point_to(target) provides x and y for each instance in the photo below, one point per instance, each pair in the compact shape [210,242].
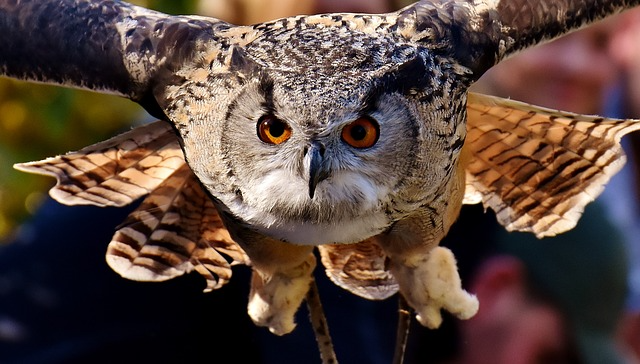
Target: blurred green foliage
[39,121]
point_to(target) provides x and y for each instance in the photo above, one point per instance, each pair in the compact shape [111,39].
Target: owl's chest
[340,222]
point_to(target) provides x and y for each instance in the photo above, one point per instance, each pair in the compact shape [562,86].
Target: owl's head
[315,136]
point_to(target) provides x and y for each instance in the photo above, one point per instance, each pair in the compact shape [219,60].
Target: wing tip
[135,272]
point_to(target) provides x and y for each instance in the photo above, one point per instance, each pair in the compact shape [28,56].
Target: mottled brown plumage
[220,192]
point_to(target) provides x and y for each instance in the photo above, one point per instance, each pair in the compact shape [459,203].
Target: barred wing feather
[359,268]
[537,168]
[115,172]
[174,231]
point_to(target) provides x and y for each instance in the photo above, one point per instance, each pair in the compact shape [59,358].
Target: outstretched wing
[174,231]
[537,168]
[106,46]
[480,33]
[115,172]
[114,47]
[359,268]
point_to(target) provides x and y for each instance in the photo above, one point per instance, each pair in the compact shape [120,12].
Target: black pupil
[276,127]
[358,132]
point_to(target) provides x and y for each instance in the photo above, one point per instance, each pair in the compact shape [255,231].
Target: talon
[430,317]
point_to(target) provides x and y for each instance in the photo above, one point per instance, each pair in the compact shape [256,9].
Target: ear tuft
[241,64]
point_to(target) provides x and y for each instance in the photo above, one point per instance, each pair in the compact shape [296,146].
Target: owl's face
[327,143]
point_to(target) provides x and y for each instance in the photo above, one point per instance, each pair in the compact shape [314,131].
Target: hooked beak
[314,160]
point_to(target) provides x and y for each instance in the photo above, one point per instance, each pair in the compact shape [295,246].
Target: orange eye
[272,130]
[361,133]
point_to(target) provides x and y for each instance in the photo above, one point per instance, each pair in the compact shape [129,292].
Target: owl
[351,133]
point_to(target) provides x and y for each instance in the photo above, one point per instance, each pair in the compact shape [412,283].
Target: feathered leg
[282,274]
[426,273]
